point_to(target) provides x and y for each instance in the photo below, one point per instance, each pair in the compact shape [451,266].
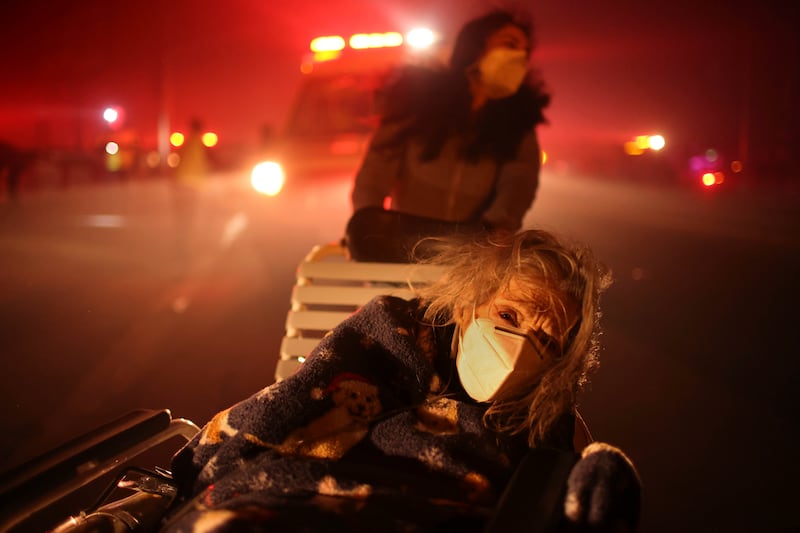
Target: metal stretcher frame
[46,479]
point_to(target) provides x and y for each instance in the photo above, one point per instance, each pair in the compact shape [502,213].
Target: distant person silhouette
[193,167]
[191,175]
[12,164]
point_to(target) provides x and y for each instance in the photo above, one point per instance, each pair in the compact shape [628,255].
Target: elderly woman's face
[550,322]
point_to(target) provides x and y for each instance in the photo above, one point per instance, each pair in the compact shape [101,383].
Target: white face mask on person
[493,360]
[502,71]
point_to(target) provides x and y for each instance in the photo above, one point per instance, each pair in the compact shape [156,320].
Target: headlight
[267,178]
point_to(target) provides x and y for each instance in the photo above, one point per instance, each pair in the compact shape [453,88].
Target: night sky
[693,70]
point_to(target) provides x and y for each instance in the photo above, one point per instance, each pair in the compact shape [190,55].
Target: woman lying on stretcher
[413,415]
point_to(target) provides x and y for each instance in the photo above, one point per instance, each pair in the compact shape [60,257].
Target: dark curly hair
[434,104]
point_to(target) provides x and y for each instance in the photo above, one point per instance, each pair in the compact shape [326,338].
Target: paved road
[109,303]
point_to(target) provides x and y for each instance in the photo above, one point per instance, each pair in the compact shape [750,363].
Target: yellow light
[359,41]
[642,142]
[176,139]
[708,179]
[113,162]
[210,139]
[267,178]
[328,43]
[392,39]
[321,57]
[544,157]
[632,148]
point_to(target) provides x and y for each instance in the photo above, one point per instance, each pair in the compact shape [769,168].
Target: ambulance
[333,114]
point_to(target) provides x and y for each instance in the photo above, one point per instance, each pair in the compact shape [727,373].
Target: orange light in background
[321,57]
[642,143]
[719,178]
[153,159]
[328,43]
[736,167]
[173,160]
[176,139]
[345,146]
[210,139]
[632,148]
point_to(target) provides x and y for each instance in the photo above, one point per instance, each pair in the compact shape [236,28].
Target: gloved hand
[603,491]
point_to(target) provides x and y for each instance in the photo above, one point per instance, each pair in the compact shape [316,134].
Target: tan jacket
[449,188]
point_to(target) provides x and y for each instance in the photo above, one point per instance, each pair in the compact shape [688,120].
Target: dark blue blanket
[371,424]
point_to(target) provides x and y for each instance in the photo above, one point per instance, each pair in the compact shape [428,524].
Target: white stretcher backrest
[329,288]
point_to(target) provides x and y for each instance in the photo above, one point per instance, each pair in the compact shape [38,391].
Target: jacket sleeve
[380,167]
[604,491]
[517,183]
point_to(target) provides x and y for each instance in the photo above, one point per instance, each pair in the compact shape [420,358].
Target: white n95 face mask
[502,71]
[493,360]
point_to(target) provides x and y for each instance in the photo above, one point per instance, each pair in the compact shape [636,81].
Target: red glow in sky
[612,69]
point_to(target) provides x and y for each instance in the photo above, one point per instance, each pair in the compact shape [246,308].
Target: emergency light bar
[360,41]
[417,38]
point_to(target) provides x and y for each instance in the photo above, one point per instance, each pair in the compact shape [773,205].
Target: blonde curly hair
[479,267]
